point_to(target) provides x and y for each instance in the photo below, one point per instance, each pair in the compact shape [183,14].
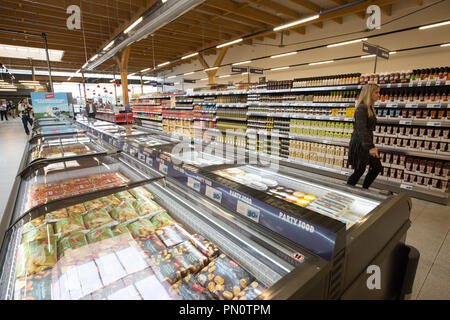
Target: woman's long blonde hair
[365,97]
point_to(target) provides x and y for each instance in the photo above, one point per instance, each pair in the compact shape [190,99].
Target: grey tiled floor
[429,232]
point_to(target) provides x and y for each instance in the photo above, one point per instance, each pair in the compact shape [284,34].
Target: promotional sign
[50,104]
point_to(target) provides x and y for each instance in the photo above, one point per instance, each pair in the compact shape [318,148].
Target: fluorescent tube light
[368,56]
[84,65]
[145,70]
[283,55]
[94,57]
[163,64]
[188,73]
[322,62]
[445,45]
[239,63]
[171,77]
[393,52]
[133,25]
[189,56]
[435,25]
[291,24]
[229,43]
[280,68]
[204,79]
[345,43]
[213,68]
[109,45]
[225,76]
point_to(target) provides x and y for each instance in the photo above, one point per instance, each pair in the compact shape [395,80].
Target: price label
[434,124]
[410,84]
[213,194]
[346,173]
[388,86]
[419,84]
[163,168]
[405,122]
[406,187]
[149,161]
[248,211]
[194,184]
[428,83]
[399,85]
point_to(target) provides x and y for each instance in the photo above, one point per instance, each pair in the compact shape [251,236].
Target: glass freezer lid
[46,130]
[96,123]
[146,141]
[68,178]
[63,148]
[339,205]
[200,159]
[60,139]
[53,123]
[145,250]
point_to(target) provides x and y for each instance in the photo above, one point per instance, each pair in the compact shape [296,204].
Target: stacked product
[118,244]
[317,153]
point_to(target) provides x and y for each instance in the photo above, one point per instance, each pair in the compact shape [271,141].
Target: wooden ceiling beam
[278,8]
[192,17]
[313,8]
[361,14]
[218,14]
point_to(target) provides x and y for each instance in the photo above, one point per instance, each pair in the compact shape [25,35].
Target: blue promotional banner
[50,104]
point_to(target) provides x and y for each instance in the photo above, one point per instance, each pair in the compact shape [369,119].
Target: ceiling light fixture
[189,56]
[280,68]
[188,73]
[94,57]
[393,52]
[145,70]
[435,25]
[163,64]
[283,55]
[109,45]
[213,68]
[239,63]
[133,25]
[291,24]
[445,45]
[225,76]
[322,62]
[368,56]
[229,43]
[345,43]
[171,77]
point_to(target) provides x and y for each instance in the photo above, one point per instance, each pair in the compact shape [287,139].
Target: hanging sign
[372,49]
[256,70]
[188,81]
[238,69]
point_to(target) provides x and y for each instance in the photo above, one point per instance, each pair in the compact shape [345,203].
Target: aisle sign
[188,81]
[238,69]
[372,49]
[256,70]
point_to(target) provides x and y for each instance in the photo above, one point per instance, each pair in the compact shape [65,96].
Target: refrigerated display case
[46,131]
[122,243]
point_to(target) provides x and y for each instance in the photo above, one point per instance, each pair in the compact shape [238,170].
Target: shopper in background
[362,151]
[90,109]
[4,109]
[26,112]
[12,109]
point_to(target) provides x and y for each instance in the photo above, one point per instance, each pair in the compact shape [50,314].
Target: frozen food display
[338,205]
[107,250]
[46,130]
[58,150]
[146,141]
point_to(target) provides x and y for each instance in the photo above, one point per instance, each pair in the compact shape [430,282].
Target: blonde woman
[362,150]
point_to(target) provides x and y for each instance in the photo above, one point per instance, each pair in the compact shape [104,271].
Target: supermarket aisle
[12,144]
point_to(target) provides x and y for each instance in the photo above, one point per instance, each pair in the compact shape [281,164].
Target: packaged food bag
[172,235]
[34,287]
[99,235]
[43,232]
[150,244]
[69,225]
[190,289]
[76,209]
[36,256]
[141,227]
[147,207]
[39,221]
[95,204]
[125,196]
[141,193]
[120,230]
[224,278]
[251,292]
[162,219]
[124,212]
[110,201]
[206,247]
[189,257]
[56,215]
[98,218]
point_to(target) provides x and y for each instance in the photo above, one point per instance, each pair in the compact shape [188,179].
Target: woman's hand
[374,152]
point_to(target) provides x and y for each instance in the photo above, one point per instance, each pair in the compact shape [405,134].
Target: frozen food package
[150,244]
[69,247]
[147,207]
[56,215]
[98,218]
[95,204]
[76,209]
[189,257]
[172,235]
[206,247]
[162,219]
[34,287]
[141,193]
[120,230]
[124,212]
[141,227]
[43,232]
[36,256]
[110,201]
[190,289]
[224,278]
[99,235]
[125,196]
[39,221]
[254,290]
[69,225]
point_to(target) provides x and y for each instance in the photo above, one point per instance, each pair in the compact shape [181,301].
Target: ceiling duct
[170,11]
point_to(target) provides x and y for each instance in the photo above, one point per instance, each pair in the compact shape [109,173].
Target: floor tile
[437,284]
